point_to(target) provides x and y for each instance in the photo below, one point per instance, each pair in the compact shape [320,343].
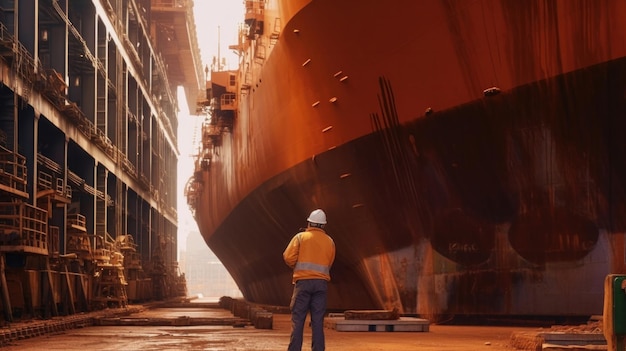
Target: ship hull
[502,201]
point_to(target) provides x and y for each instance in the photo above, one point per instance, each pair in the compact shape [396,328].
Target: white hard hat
[318,216]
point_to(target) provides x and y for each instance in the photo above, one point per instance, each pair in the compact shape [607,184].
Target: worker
[310,254]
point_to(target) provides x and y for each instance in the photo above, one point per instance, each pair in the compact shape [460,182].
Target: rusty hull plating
[469,154]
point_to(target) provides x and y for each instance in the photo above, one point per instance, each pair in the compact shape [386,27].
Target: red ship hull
[469,155]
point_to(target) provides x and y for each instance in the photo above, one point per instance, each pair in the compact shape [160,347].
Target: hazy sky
[210,15]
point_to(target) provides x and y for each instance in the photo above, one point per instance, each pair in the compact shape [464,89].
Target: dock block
[263,320]
[403,324]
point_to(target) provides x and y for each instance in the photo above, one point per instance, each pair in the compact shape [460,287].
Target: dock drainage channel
[178,321]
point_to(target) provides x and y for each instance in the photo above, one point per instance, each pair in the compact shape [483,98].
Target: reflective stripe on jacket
[311,254]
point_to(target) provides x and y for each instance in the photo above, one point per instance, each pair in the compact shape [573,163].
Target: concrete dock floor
[248,338]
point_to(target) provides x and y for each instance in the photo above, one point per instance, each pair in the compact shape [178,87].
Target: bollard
[614,316]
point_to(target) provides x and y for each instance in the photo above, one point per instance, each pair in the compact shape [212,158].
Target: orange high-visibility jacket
[311,254]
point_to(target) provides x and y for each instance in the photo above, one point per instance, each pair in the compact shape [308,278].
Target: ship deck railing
[23,228]
[100,194]
[13,172]
[127,165]
[63,190]
[126,242]
[45,181]
[77,221]
[7,41]
[49,164]
[75,179]
[102,255]
[23,62]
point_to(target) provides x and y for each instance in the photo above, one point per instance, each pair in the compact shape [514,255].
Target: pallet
[403,324]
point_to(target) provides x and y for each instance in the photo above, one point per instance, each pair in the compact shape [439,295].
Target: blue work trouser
[308,295]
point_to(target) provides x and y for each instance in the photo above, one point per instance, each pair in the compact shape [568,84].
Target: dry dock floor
[248,338]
